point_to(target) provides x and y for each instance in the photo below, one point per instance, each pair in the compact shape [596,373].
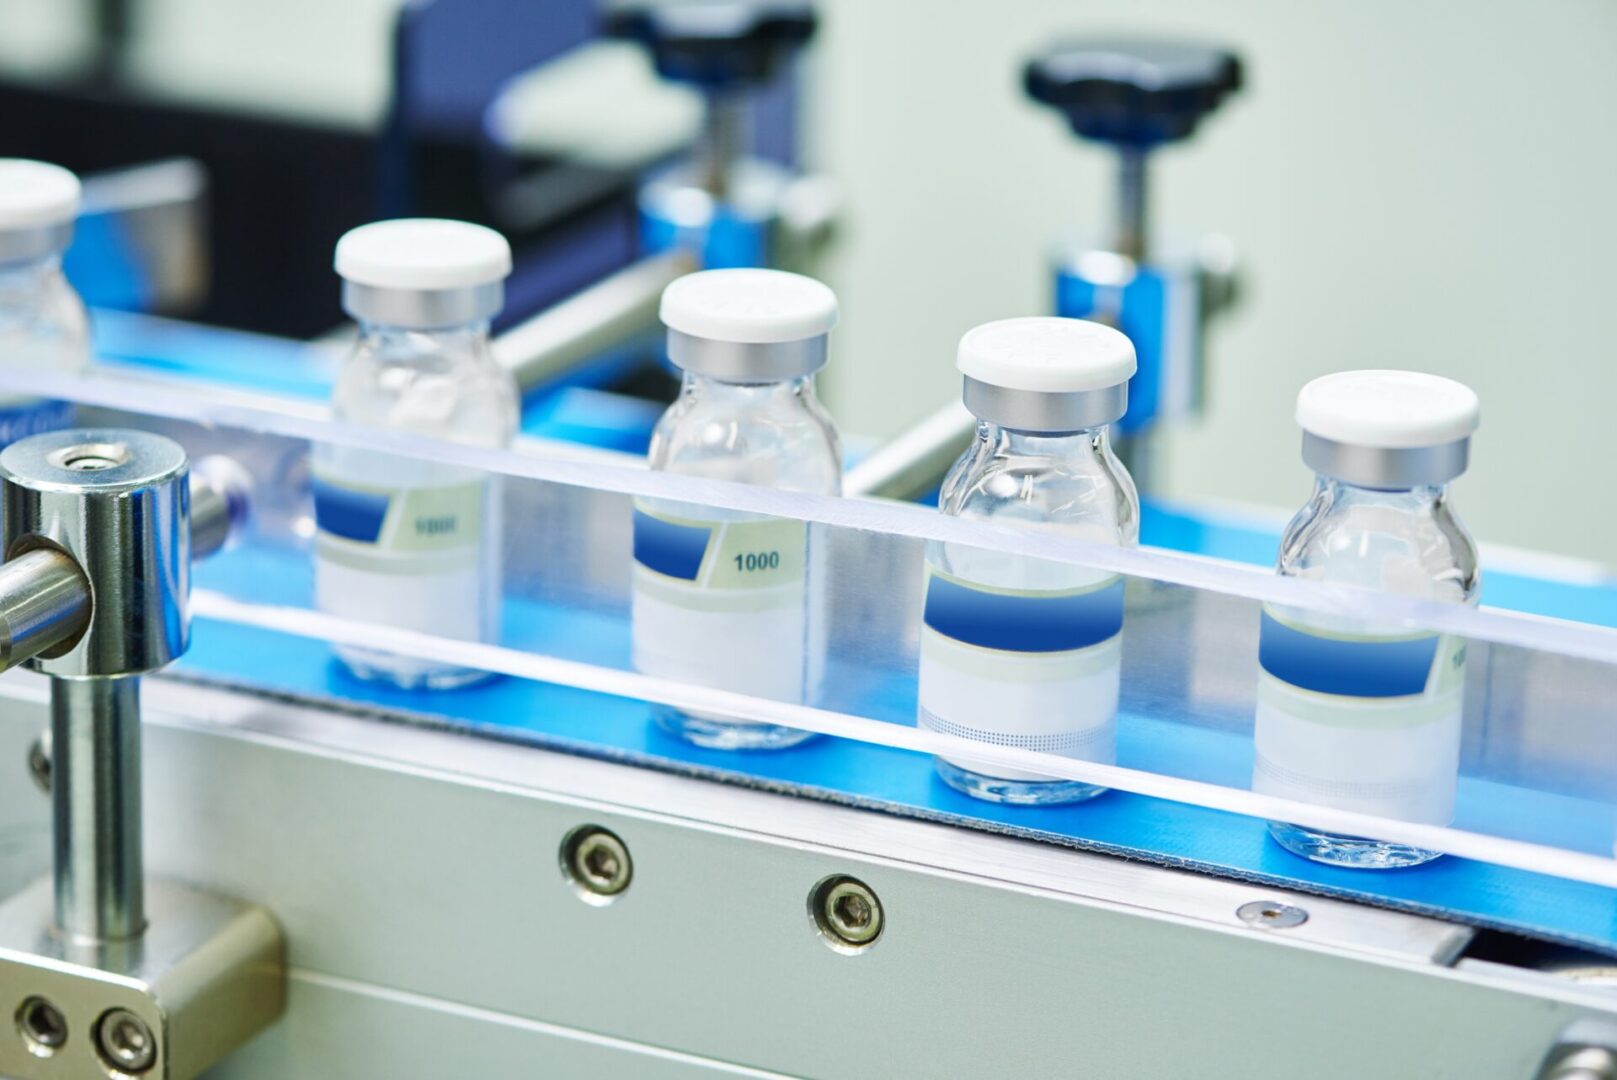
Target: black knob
[717,46]
[1138,92]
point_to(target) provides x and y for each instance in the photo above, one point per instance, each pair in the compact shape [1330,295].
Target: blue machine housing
[724,237]
[1159,308]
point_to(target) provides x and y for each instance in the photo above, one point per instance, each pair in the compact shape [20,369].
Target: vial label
[407,544]
[722,600]
[21,417]
[1032,668]
[1358,719]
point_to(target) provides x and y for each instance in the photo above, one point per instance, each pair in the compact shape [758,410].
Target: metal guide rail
[1533,826]
[295,376]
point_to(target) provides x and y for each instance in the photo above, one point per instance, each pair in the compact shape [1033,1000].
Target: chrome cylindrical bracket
[97,535]
[116,503]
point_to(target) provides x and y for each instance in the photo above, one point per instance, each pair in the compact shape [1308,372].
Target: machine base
[208,975]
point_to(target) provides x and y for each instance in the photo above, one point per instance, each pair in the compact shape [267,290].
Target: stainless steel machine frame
[440,923]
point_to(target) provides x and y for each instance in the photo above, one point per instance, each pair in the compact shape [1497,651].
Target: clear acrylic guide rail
[1537,772]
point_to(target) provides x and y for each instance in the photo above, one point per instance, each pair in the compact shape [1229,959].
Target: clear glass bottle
[724,599]
[1026,652]
[1351,714]
[42,320]
[408,542]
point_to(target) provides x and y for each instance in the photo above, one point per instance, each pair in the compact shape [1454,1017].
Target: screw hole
[853,912]
[42,1026]
[39,761]
[90,457]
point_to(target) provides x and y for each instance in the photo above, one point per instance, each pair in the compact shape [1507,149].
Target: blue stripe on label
[666,548]
[1023,623]
[350,514]
[1372,669]
[20,420]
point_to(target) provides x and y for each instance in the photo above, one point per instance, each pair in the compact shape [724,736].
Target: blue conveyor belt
[902,782]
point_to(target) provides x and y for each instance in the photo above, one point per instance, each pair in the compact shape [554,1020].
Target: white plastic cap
[34,195]
[1046,354]
[423,254]
[1388,410]
[749,307]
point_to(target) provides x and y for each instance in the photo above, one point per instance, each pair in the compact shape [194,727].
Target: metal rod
[221,503]
[210,517]
[44,602]
[95,793]
[609,313]
[1133,194]
[720,144]
[1136,451]
[916,461]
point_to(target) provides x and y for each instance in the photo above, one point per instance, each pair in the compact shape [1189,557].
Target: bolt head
[597,862]
[1271,914]
[847,913]
[124,1042]
[1585,1063]
[42,1026]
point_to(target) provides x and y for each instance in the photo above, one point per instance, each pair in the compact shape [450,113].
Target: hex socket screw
[42,1026]
[597,863]
[847,913]
[124,1042]
[1271,915]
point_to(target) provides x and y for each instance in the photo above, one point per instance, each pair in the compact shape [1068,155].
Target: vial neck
[30,276]
[1426,496]
[756,393]
[400,343]
[1054,445]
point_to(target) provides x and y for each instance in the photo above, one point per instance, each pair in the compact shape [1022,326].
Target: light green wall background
[1430,185]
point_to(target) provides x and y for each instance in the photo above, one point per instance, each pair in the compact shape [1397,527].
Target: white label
[724,601]
[1035,669]
[407,544]
[1361,721]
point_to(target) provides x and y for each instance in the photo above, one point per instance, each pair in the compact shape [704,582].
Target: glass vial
[724,599]
[1017,651]
[42,322]
[1351,714]
[408,542]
